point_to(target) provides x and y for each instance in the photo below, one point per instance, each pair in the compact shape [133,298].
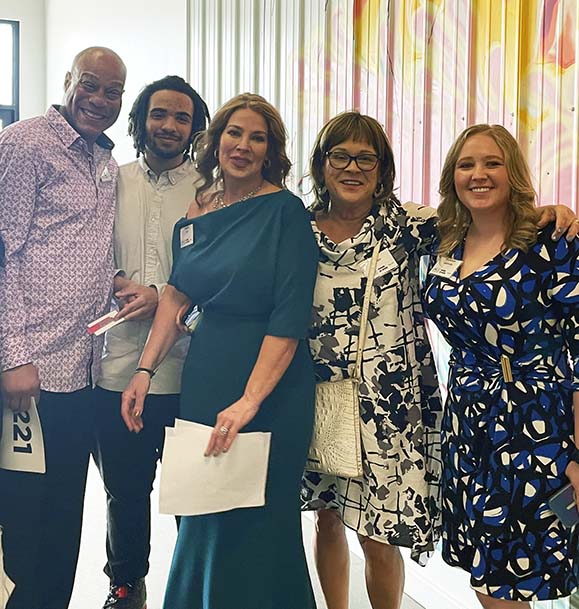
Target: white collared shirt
[147,209]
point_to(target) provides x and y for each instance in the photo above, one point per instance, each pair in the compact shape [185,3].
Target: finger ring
[223,430]
[136,413]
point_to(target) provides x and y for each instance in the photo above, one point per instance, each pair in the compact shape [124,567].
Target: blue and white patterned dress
[506,444]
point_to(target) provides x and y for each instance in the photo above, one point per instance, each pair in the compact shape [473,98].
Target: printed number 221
[22,434]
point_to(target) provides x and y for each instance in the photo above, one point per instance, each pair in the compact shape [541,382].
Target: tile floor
[91,584]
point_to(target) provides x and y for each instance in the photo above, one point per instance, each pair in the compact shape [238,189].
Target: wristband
[150,372]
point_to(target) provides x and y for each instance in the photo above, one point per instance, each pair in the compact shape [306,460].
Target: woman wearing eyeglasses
[396,502]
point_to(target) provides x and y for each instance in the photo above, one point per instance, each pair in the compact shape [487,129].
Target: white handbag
[336,446]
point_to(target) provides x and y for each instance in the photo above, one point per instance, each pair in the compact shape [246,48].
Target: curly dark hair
[138,113]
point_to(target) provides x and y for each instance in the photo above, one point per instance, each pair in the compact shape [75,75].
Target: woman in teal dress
[246,256]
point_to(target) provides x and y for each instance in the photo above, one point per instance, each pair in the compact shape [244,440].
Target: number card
[22,444]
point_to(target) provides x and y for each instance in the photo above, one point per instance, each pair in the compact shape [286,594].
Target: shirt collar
[68,134]
[171,175]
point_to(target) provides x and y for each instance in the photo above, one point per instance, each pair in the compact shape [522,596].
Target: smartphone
[191,319]
[564,505]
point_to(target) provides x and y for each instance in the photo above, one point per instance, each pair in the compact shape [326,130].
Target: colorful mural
[425,68]
[430,68]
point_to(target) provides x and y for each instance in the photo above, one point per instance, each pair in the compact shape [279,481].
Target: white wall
[31,15]
[149,35]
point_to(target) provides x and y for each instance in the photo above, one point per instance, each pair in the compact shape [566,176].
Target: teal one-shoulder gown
[251,267]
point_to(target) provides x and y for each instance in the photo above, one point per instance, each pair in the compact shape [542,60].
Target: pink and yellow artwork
[428,69]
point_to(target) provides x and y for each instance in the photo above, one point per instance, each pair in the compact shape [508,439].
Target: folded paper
[193,484]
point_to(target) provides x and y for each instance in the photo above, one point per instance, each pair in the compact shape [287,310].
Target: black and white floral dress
[397,500]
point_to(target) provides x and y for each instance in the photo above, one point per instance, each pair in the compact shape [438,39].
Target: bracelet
[150,372]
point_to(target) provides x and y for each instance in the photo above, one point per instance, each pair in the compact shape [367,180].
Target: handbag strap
[365,309]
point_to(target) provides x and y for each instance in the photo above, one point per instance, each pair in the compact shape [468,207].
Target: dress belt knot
[508,367]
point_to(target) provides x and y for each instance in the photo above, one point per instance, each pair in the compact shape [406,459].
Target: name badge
[106,175]
[445,267]
[385,264]
[186,235]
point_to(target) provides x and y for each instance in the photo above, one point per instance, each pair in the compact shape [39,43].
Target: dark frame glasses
[341,160]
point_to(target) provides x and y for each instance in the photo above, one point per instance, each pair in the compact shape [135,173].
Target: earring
[266,164]
[216,153]
[323,189]
[379,190]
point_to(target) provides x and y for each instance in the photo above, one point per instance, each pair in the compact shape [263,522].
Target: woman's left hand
[229,422]
[572,472]
[565,220]
[180,315]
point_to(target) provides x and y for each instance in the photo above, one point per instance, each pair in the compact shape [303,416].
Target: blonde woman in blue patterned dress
[396,502]
[506,297]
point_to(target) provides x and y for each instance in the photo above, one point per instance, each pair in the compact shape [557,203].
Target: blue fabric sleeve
[295,277]
[565,290]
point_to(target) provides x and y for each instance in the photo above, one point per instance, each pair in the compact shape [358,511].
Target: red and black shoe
[127,596]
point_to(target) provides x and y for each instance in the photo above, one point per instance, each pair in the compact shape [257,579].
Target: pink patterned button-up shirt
[57,201]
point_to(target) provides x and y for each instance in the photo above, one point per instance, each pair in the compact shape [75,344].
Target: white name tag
[386,264]
[445,267]
[22,445]
[106,175]
[186,235]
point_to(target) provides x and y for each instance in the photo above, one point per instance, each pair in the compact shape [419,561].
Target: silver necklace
[219,203]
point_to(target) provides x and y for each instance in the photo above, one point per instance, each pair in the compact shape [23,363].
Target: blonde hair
[206,145]
[360,128]
[454,217]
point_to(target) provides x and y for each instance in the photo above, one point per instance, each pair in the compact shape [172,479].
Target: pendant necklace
[219,203]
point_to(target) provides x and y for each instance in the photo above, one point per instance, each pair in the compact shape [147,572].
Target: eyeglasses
[365,161]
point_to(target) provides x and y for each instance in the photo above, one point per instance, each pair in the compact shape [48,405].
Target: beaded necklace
[219,203]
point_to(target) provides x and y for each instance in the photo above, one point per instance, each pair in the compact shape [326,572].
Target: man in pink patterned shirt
[57,199]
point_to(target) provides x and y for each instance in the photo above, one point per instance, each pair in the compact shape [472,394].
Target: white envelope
[6,584]
[193,484]
[22,444]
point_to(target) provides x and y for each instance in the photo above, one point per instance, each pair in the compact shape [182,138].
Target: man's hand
[120,282]
[139,301]
[18,385]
